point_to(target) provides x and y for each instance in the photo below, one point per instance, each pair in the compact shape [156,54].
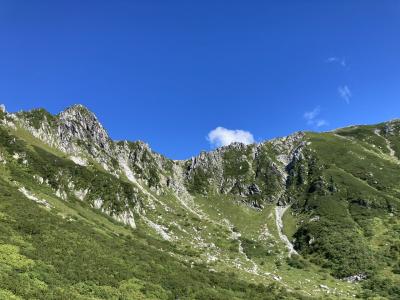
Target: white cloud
[334,59]
[331,59]
[345,93]
[221,136]
[320,123]
[311,115]
[311,118]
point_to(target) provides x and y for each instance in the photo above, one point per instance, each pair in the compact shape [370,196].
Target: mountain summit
[309,215]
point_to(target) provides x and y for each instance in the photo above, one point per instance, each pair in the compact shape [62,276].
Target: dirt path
[388,145]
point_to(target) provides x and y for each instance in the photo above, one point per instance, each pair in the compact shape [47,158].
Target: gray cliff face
[392,128]
[258,172]
[77,125]
[222,206]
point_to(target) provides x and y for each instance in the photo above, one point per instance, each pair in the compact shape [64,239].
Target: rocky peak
[392,127]
[78,123]
[257,170]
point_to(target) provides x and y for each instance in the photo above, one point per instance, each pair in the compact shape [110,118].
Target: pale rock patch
[98,203]
[39,179]
[61,194]
[79,160]
[355,278]
[2,159]
[161,230]
[32,197]
[81,194]
[126,218]
[279,212]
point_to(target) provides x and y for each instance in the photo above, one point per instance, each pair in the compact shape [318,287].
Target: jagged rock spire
[78,122]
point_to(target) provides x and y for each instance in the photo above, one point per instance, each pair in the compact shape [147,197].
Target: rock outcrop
[258,171]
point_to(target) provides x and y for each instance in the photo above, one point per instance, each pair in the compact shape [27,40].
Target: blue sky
[169,72]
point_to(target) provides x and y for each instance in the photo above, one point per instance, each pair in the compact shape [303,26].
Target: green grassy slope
[344,220]
[45,256]
[72,251]
[353,206]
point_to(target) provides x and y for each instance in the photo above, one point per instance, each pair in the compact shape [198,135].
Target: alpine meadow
[306,216]
[199,150]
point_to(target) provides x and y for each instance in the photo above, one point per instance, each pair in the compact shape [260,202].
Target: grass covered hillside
[308,216]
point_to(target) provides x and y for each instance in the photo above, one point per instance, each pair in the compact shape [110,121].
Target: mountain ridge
[81,107]
[311,205]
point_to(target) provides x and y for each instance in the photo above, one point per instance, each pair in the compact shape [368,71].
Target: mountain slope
[308,215]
